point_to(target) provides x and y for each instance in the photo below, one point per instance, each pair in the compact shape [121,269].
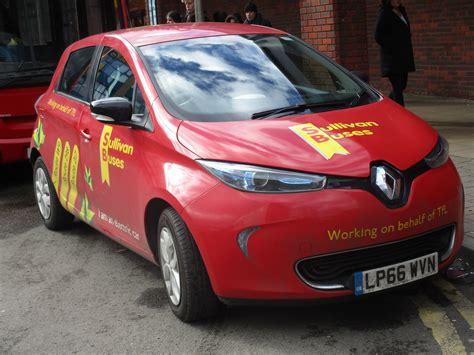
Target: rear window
[73,81]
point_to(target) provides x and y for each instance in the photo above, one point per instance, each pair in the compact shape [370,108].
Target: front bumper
[293,227]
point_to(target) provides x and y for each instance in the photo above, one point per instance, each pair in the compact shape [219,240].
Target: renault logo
[388,181]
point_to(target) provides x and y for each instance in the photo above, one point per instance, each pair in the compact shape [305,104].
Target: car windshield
[231,78]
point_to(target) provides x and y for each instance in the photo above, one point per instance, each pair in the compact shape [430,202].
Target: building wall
[443,44]
[351,30]
[443,41]
[443,36]
[283,14]
[318,26]
[137,12]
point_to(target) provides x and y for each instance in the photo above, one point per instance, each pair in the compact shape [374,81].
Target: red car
[247,165]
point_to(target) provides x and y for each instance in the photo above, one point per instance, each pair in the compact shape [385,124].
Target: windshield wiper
[296,108]
[359,96]
[23,74]
[21,68]
[10,79]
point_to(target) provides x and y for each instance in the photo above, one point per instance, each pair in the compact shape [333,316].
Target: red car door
[56,134]
[112,155]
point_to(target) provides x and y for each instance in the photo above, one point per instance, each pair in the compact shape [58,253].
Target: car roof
[141,36]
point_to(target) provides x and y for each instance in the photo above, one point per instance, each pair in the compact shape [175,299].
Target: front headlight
[258,179]
[439,155]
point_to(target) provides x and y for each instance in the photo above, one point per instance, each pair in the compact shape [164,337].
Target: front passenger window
[115,79]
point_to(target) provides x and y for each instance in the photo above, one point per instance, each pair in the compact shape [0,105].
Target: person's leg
[399,83]
[404,82]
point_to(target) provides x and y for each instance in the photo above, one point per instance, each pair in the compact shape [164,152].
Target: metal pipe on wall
[198,11]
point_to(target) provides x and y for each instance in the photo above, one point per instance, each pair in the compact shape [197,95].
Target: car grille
[335,271]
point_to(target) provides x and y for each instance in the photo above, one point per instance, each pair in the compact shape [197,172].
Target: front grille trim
[338,286]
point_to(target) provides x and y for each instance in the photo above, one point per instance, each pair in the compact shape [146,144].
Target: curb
[467,255]
[468,243]
[450,124]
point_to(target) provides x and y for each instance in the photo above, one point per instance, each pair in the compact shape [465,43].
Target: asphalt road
[79,292]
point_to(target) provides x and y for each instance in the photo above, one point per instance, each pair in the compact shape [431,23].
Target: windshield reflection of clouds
[222,76]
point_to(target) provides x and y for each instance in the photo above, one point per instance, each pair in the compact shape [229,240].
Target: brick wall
[318,26]
[443,43]
[351,31]
[443,36]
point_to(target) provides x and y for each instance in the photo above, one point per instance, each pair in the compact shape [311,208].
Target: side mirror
[361,75]
[112,110]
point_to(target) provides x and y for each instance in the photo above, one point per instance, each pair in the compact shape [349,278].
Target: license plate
[395,275]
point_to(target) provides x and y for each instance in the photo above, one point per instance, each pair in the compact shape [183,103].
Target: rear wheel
[187,283]
[55,217]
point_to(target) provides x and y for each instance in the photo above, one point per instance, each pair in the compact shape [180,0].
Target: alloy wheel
[169,265]
[43,196]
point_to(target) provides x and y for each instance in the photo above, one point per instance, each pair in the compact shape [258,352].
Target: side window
[139,107]
[73,80]
[114,77]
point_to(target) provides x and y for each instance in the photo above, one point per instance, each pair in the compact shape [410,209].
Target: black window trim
[88,79]
[95,69]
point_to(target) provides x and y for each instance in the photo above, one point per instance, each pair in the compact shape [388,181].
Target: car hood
[342,142]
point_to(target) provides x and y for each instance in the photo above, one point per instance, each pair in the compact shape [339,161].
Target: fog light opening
[243,239]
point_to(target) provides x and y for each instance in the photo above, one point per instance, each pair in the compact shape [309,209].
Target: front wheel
[187,283]
[55,217]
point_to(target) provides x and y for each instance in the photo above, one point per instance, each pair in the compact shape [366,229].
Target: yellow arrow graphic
[319,140]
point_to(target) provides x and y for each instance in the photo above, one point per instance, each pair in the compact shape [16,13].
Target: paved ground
[454,119]
[79,292]
[442,111]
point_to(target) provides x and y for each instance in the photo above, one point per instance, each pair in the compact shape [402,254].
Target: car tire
[189,290]
[54,216]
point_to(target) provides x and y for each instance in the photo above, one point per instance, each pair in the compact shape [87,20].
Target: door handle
[85,134]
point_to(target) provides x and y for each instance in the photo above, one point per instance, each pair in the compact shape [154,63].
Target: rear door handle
[86,135]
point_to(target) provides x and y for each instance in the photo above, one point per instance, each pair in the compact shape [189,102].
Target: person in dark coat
[393,34]
[253,17]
